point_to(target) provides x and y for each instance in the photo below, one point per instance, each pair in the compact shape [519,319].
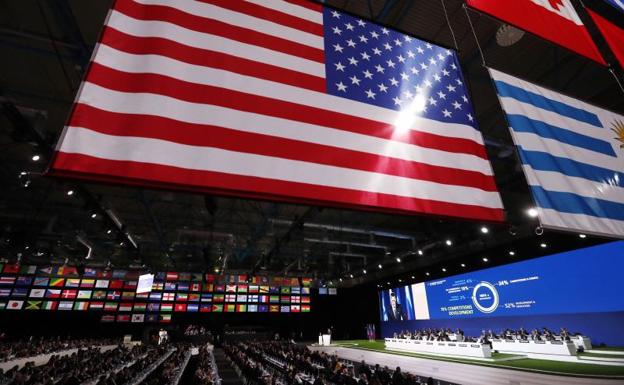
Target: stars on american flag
[372,64]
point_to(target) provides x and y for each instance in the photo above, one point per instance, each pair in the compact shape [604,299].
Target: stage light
[582,236]
[532,212]
[94,215]
[512,253]
[543,245]
[121,243]
[35,157]
[444,269]
[340,279]
[388,283]
[379,266]
[420,252]
[485,230]
[216,269]
[364,271]
[70,192]
[427,274]
[449,242]
[485,259]
[109,231]
[23,173]
[413,277]
[398,259]
[387,253]
[26,247]
[400,280]
[463,265]
[350,275]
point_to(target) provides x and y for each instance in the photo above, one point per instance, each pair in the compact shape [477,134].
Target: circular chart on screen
[485,297]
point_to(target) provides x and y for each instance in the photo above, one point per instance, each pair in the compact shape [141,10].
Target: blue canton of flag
[372,64]
[619,4]
[572,156]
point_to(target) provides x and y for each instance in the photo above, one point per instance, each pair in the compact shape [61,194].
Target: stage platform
[499,370]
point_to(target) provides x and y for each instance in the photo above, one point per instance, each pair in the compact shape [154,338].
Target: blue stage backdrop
[580,290]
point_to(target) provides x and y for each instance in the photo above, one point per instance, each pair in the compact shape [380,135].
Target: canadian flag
[554,20]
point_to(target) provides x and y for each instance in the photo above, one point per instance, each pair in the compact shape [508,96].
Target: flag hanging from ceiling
[613,34]
[619,4]
[278,99]
[554,20]
[572,155]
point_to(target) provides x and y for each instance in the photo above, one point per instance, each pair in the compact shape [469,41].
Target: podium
[326,339]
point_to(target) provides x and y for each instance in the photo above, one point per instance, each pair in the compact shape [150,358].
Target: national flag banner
[28,269]
[181,296]
[81,305]
[193,297]
[252,308]
[219,288]
[197,277]
[87,283]
[151,318]
[274,299]
[241,308]
[305,308]
[139,306]
[184,276]
[295,308]
[105,273]
[158,286]
[84,294]
[72,282]
[305,299]
[285,309]
[47,270]
[254,289]
[99,294]
[116,284]
[5,292]
[168,297]
[179,307]
[619,4]
[208,287]
[192,308]
[553,20]
[195,286]
[3,305]
[6,280]
[183,286]
[34,293]
[263,298]
[205,308]
[241,298]
[230,298]
[125,306]
[130,285]
[274,308]
[305,290]
[263,308]
[170,286]
[218,297]
[171,276]
[264,289]
[242,288]
[119,274]
[50,305]
[206,298]
[153,307]
[90,272]
[164,318]
[230,288]
[306,281]
[33,305]
[23,281]
[66,305]
[166,307]
[241,278]
[11,268]
[160,276]
[274,289]
[287,102]
[53,293]
[107,318]
[126,295]
[229,308]
[110,306]
[69,294]
[138,318]
[613,34]
[210,278]
[96,305]
[57,282]
[142,296]
[285,290]
[41,281]
[252,298]
[102,284]
[123,317]
[113,295]
[217,308]
[295,290]
[572,155]
[66,271]
[20,292]
[285,299]
[295,299]
[155,296]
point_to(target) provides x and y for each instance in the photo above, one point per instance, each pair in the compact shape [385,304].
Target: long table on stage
[565,348]
[470,349]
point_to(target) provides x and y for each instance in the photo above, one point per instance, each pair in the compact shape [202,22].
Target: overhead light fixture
[444,269]
[400,280]
[463,265]
[543,245]
[23,173]
[485,230]
[216,269]
[532,212]
[427,274]
[582,236]
[94,215]
[350,275]
[512,253]
[109,231]
[35,158]
[121,243]
[364,271]
[398,259]
[413,277]
[485,259]
[449,242]
[420,252]
[340,279]
[379,266]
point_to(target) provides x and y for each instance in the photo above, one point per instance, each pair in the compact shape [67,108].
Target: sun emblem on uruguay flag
[618,128]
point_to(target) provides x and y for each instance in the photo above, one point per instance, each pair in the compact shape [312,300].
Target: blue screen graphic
[581,281]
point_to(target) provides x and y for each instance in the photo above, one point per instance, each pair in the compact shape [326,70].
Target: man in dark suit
[395,313]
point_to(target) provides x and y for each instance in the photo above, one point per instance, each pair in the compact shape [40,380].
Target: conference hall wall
[580,290]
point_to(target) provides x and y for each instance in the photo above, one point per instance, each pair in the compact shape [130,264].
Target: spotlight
[420,252]
[543,245]
[379,266]
[398,260]
[364,271]
[70,192]
[427,274]
[340,279]
[485,230]
[23,173]
[350,275]
[512,253]
[449,242]
[485,259]
[444,269]
[36,157]
[532,212]
[400,280]
[582,236]
[216,269]
[413,277]
[109,231]
[121,243]
[463,265]
[94,215]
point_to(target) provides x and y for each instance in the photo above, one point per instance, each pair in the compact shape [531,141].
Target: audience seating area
[11,349]
[281,363]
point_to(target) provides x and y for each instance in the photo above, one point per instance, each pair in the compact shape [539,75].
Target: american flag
[280,99]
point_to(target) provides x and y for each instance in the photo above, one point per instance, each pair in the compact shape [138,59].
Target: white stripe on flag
[291,9]
[586,223]
[84,141]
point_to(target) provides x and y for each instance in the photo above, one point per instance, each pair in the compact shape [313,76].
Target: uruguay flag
[572,155]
